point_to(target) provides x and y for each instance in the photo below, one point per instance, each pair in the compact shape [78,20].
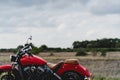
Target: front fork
[18,72]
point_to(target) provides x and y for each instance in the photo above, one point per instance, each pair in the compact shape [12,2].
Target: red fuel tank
[32,60]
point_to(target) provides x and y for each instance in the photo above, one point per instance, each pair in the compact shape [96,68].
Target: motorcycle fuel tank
[32,60]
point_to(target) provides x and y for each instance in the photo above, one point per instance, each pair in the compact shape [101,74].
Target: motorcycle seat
[54,67]
[71,61]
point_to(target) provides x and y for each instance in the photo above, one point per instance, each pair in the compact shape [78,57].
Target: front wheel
[72,76]
[7,76]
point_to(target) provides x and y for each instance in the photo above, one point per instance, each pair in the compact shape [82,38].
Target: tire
[7,76]
[72,76]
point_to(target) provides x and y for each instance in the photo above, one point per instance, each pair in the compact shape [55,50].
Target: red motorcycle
[26,66]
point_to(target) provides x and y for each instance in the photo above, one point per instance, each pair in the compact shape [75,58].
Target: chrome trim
[87,78]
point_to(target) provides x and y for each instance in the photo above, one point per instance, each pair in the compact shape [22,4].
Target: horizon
[59,46]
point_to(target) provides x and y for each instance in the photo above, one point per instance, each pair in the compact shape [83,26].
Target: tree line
[87,45]
[99,43]
[36,50]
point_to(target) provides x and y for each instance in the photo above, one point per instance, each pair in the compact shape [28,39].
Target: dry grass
[108,66]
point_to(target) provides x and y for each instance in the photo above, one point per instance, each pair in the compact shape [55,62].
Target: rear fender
[74,67]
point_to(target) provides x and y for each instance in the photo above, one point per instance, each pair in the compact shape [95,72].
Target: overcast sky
[57,23]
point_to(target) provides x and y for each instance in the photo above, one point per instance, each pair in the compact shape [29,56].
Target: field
[102,68]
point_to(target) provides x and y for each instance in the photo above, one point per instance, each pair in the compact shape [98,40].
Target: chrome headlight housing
[12,58]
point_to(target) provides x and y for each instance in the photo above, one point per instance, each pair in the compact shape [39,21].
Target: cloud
[22,3]
[57,23]
[104,7]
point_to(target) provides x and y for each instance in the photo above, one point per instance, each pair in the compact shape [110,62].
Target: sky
[57,23]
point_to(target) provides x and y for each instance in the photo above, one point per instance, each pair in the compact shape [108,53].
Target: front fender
[6,67]
[74,67]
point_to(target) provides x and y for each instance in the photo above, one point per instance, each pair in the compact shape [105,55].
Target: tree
[90,45]
[103,53]
[76,44]
[43,48]
[99,43]
[35,50]
[81,53]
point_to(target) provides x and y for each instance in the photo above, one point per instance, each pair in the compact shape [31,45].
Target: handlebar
[24,50]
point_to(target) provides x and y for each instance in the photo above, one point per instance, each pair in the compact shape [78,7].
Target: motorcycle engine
[38,73]
[33,72]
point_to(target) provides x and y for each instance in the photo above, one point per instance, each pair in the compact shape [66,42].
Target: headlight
[12,58]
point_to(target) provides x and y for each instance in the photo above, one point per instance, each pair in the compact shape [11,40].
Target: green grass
[103,78]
